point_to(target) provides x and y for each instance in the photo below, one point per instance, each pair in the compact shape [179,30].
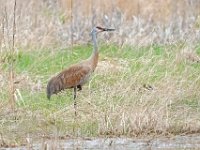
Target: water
[178,142]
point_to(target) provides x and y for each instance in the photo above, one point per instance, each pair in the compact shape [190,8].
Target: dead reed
[46,23]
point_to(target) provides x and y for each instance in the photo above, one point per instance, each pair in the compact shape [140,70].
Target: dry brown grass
[46,23]
[161,10]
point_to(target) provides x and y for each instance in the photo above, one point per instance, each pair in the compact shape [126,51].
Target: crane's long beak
[107,29]
[104,29]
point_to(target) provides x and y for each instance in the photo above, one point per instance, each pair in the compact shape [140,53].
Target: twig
[14,27]
[7,28]
[138,25]
[72,27]
[12,88]
[93,13]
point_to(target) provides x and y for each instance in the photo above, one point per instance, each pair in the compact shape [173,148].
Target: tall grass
[134,92]
[46,23]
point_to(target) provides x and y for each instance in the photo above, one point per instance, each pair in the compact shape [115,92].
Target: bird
[78,74]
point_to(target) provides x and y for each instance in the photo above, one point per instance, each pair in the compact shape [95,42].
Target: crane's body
[73,77]
[78,74]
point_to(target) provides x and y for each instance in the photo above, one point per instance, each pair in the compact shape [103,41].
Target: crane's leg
[75,100]
[79,87]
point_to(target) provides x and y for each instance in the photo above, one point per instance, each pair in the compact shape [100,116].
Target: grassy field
[135,91]
[146,83]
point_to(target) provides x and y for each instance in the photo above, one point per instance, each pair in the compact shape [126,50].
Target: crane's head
[98,29]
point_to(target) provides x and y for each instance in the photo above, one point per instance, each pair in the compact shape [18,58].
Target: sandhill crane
[78,74]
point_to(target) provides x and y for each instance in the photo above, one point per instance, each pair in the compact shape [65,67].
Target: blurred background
[44,23]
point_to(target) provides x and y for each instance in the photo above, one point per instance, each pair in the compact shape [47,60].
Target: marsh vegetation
[146,83]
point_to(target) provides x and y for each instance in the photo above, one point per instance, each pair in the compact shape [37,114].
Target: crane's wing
[75,75]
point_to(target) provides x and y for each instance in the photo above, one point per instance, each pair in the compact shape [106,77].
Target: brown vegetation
[47,23]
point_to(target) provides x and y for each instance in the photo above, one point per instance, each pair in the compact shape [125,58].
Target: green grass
[115,102]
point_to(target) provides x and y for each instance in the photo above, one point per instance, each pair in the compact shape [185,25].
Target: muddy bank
[177,142]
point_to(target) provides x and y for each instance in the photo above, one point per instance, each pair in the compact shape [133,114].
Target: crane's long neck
[94,40]
[95,54]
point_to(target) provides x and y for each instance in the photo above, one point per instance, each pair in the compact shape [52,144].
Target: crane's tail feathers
[54,86]
[48,92]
